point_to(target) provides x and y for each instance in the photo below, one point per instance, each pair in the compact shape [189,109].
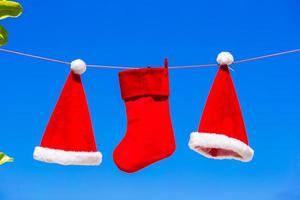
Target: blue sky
[142,33]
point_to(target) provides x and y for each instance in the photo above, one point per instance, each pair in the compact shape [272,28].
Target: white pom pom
[78,66]
[225,58]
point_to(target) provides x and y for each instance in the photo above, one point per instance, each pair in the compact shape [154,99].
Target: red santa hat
[222,133]
[69,137]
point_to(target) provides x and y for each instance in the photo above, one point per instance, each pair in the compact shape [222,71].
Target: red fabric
[149,137]
[142,82]
[222,113]
[70,126]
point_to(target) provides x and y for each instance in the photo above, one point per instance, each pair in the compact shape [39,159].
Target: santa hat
[222,133]
[69,137]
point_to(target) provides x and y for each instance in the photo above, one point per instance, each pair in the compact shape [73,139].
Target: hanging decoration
[69,137]
[149,136]
[222,133]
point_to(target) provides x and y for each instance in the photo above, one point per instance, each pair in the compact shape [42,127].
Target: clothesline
[171,67]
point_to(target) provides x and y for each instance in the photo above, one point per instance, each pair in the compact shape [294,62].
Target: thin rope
[110,67]
[34,56]
[171,67]
[193,66]
[239,61]
[59,61]
[267,56]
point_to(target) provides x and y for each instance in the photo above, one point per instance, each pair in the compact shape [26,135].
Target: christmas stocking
[149,137]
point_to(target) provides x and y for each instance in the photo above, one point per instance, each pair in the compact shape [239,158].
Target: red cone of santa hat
[222,133]
[69,137]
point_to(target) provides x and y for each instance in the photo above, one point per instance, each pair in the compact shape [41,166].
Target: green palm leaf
[4,158]
[3,36]
[10,9]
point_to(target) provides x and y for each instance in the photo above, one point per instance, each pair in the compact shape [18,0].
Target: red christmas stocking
[149,137]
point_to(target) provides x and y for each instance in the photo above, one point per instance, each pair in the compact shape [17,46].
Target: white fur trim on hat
[203,142]
[225,58]
[78,66]
[67,157]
